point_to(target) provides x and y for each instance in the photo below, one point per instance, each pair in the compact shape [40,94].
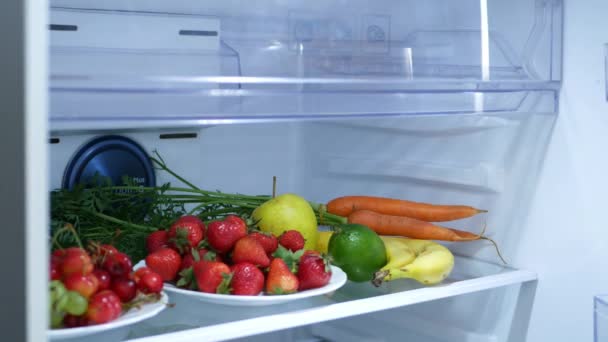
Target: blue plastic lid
[110,156]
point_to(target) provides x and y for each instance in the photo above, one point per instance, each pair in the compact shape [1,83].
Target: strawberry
[85,285]
[212,276]
[280,280]
[157,240]
[75,260]
[292,240]
[247,279]
[186,233]
[267,240]
[248,249]
[118,264]
[203,254]
[165,262]
[103,307]
[222,235]
[313,271]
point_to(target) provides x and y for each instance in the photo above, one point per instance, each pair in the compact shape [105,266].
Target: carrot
[343,206]
[409,227]
[413,228]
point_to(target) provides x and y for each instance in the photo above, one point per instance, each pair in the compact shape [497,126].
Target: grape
[56,319]
[61,302]
[57,290]
[76,304]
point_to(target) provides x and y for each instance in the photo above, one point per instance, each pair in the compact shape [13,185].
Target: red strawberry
[267,240]
[203,254]
[157,240]
[103,278]
[186,233]
[313,271]
[118,264]
[165,262]
[75,260]
[292,240]
[103,307]
[248,249]
[125,289]
[247,279]
[280,280]
[86,285]
[222,235]
[150,282]
[212,276]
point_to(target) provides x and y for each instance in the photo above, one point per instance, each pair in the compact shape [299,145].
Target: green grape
[56,319]
[61,302]
[77,304]
[57,290]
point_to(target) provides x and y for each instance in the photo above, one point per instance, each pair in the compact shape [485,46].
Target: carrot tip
[481,211]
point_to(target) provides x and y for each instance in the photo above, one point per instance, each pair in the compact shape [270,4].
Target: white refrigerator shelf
[196,321]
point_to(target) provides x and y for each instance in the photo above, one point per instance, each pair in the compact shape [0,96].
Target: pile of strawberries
[228,258]
[95,287]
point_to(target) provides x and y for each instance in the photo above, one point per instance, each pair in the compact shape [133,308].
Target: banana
[431,265]
[425,261]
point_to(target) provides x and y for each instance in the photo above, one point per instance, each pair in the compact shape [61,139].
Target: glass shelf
[216,62]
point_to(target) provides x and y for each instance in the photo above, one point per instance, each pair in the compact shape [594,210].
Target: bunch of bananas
[427,262]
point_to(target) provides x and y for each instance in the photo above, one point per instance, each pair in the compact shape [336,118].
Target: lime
[358,251]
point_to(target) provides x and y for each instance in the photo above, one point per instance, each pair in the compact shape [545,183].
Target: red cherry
[124,288]
[140,273]
[76,260]
[103,307]
[150,282]
[118,264]
[86,285]
[104,279]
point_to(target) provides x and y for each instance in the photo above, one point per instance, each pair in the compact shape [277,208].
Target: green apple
[287,212]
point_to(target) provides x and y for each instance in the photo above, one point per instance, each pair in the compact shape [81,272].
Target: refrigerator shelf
[167,65]
[196,321]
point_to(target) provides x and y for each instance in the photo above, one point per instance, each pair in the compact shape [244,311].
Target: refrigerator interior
[436,101]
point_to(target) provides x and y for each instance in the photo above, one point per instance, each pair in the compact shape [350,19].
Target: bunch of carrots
[387,216]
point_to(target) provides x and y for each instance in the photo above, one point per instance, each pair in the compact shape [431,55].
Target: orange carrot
[408,227]
[343,206]
[412,228]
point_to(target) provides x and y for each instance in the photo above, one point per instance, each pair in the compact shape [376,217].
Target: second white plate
[338,278]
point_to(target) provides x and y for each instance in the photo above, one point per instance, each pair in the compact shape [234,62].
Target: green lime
[358,251]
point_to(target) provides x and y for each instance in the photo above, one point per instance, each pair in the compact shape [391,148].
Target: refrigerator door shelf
[191,321]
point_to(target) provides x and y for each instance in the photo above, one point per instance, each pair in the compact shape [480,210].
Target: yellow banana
[431,265]
[398,253]
[424,261]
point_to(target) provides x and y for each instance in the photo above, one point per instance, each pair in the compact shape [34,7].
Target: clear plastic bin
[218,61]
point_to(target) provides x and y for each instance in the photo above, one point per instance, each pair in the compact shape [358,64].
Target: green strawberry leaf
[292,259]
[224,286]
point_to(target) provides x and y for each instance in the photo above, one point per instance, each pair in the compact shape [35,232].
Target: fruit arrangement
[96,286]
[376,239]
[227,257]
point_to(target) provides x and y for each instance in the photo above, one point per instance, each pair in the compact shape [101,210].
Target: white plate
[338,278]
[132,316]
